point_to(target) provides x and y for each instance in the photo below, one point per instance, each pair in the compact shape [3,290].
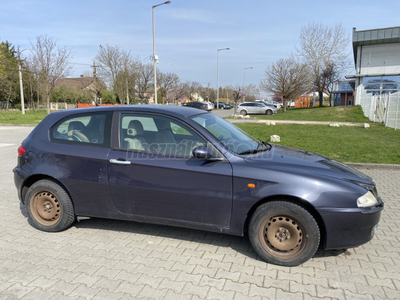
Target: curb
[391,167]
[19,125]
[258,121]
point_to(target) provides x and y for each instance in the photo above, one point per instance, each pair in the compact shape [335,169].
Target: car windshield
[233,138]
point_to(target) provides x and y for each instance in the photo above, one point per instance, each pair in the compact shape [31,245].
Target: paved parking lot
[106,259]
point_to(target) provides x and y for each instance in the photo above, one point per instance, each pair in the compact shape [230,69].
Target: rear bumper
[348,228]
[18,181]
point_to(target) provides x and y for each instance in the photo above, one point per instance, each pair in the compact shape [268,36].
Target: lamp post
[21,87]
[155,58]
[244,83]
[218,74]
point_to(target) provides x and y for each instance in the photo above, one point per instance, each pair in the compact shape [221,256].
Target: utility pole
[21,87]
[127,91]
[94,82]
[155,57]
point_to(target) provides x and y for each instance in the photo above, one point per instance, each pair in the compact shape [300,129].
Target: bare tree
[118,69]
[144,81]
[287,78]
[51,62]
[166,82]
[323,47]
[237,93]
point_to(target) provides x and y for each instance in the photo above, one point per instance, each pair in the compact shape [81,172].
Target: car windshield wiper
[252,151]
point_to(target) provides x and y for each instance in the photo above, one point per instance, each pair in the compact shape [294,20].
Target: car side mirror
[202,152]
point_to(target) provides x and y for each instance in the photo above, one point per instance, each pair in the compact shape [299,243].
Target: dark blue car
[183,167]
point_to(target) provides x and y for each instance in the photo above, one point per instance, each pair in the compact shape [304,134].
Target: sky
[188,32]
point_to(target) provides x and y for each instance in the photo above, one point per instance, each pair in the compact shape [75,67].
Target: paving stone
[217,294]
[268,293]
[151,293]
[212,282]
[303,288]
[197,290]
[110,259]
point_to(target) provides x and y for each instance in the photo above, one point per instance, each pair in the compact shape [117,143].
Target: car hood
[299,161]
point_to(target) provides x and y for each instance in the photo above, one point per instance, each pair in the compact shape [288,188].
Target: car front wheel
[49,206]
[268,112]
[284,233]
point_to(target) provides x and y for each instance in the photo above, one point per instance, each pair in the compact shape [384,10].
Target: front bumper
[348,227]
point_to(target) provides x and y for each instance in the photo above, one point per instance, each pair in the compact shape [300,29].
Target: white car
[210,106]
[247,108]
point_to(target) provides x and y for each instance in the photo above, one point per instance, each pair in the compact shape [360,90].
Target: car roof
[178,111]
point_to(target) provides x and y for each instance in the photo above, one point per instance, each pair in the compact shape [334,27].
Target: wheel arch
[35,178]
[296,200]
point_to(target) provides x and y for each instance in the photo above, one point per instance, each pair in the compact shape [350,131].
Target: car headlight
[367,200]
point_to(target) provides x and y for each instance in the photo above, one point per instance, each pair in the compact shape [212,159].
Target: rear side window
[83,129]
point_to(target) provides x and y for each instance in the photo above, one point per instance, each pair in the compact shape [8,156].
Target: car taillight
[21,150]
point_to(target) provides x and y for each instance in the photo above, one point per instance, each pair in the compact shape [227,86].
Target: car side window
[157,135]
[83,129]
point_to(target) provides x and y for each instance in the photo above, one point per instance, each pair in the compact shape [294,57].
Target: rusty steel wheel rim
[282,236]
[45,208]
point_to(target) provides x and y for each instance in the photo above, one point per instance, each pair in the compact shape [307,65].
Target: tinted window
[84,129]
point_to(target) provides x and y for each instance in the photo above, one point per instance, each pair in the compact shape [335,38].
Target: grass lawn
[377,144]
[16,117]
[328,114]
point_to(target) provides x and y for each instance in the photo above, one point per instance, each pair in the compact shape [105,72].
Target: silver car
[258,108]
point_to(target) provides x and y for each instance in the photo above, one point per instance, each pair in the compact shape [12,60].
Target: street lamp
[155,58]
[244,83]
[21,87]
[218,74]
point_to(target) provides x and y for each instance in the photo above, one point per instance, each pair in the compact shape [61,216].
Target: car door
[161,180]
[260,108]
[78,156]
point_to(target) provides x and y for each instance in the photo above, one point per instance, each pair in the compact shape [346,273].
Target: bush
[17,106]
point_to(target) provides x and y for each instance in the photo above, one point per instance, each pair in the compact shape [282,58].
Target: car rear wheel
[49,206]
[243,112]
[268,112]
[284,233]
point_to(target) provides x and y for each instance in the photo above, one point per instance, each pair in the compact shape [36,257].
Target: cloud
[196,15]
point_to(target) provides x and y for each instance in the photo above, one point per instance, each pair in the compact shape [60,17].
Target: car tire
[284,233]
[243,112]
[268,112]
[49,206]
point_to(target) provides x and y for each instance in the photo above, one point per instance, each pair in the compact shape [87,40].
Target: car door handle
[120,162]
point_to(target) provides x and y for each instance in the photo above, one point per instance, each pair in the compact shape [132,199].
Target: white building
[377,63]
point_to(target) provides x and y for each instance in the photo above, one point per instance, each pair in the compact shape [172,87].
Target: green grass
[377,144]
[16,117]
[328,114]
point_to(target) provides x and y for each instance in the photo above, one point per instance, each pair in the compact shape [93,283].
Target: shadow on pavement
[239,244]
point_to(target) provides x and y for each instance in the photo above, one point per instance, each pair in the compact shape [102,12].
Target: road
[107,259]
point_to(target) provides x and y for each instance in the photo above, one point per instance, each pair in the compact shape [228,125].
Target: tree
[8,72]
[118,69]
[287,78]
[166,82]
[51,62]
[324,48]
[238,93]
[144,81]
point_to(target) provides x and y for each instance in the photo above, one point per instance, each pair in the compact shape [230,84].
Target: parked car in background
[199,105]
[252,108]
[210,105]
[223,105]
[228,106]
[267,103]
[272,104]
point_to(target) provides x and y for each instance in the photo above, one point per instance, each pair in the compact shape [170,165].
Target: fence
[380,106]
